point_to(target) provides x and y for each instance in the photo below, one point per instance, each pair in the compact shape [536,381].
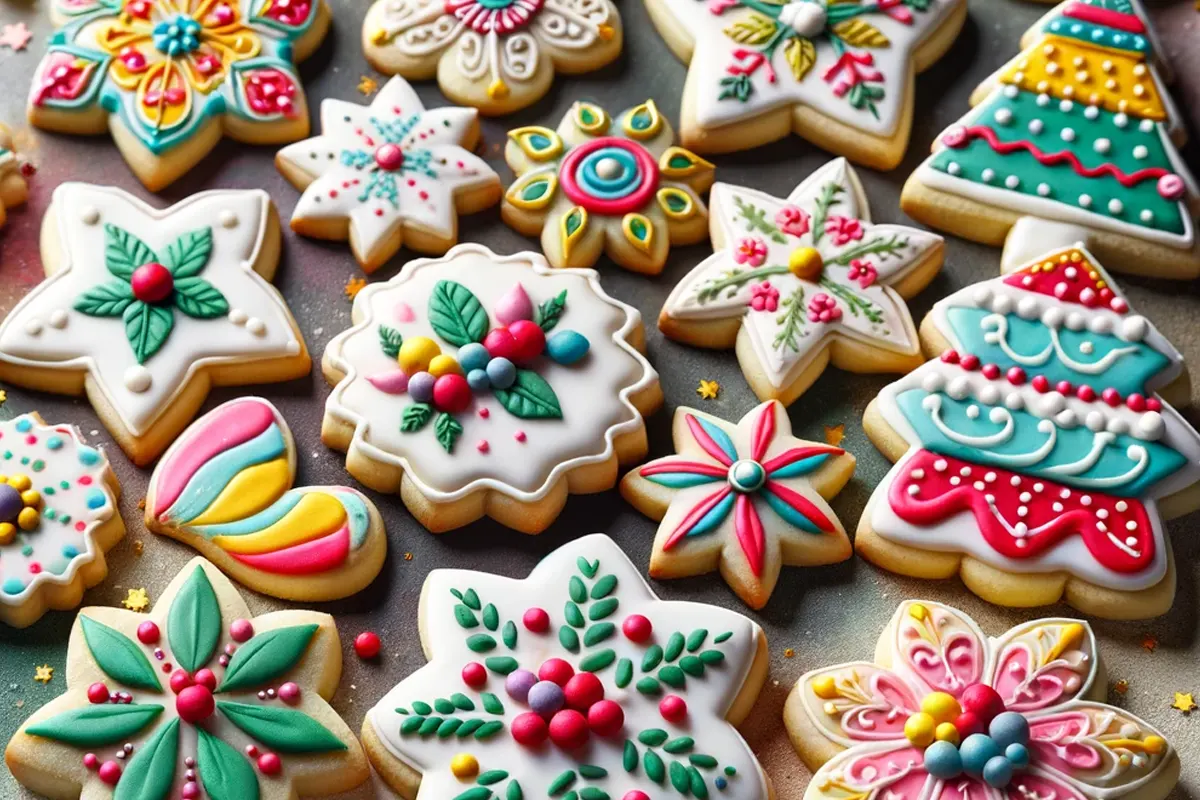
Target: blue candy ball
[1017,755]
[1008,728]
[473,356]
[567,347]
[943,761]
[976,751]
[501,372]
[546,697]
[420,387]
[478,380]
[997,772]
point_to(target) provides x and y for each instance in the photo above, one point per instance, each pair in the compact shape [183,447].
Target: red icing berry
[195,704]
[637,628]
[991,371]
[389,157]
[98,693]
[673,708]
[636,794]
[556,670]
[240,630]
[91,761]
[1015,375]
[1085,393]
[269,764]
[529,729]
[206,678]
[500,344]
[968,723]
[1111,396]
[950,356]
[148,632]
[1136,402]
[569,729]
[152,282]
[583,691]
[536,620]
[180,680]
[1063,387]
[606,718]
[983,700]
[969,362]
[367,644]
[530,340]
[1041,383]
[451,393]
[1153,404]
[110,772]
[474,675]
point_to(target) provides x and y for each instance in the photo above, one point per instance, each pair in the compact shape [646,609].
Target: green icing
[225,773]
[150,774]
[95,725]
[266,656]
[194,624]
[120,658]
[283,729]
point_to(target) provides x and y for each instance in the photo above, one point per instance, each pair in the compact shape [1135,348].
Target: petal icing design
[538,143]
[639,231]
[679,163]
[1043,664]
[590,118]
[572,227]
[677,204]
[876,770]
[858,702]
[642,122]
[1038,784]
[938,646]
[533,191]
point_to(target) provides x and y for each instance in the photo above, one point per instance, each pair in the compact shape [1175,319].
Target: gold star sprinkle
[1121,686]
[43,674]
[136,600]
[834,435]
[789,653]
[3,397]
[367,85]
[354,286]
[408,556]
[708,390]
[1149,642]
[1184,702]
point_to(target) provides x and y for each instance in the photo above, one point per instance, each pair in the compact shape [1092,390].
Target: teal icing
[680,480]
[1098,34]
[1072,446]
[359,517]
[1128,373]
[715,516]
[255,522]
[801,467]
[787,513]
[209,481]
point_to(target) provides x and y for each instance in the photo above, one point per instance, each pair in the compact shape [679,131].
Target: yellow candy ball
[443,365]
[464,766]
[416,353]
[941,706]
[806,263]
[31,498]
[1154,744]
[28,519]
[20,482]
[919,729]
[8,532]
[946,732]
[824,687]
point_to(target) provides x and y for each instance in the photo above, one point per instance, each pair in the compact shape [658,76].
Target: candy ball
[583,690]
[500,343]
[941,706]
[97,693]
[195,704]
[529,729]
[473,355]
[946,732]
[179,680]
[968,723]
[637,628]
[444,365]
[556,670]
[529,340]
[269,764]
[806,263]
[416,353]
[479,381]
[1017,755]
[206,678]
[289,693]
[605,718]
[1009,728]
[151,283]
[1154,744]
[110,772]
[546,698]
[420,387]
[464,765]
[518,683]
[367,644]
[919,729]
[240,630]
[474,675]
[450,393]
[567,347]
[148,632]
[943,761]
[673,708]
[976,751]
[983,701]
[536,620]
[636,794]
[501,372]
[569,729]
[997,772]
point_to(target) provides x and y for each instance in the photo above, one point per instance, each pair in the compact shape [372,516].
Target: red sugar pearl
[606,718]
[91,761]
[97,693]
[110,772]
[1085,393]
[983,701]
[968,723]
[1135,402]
[367,644]
[969,362]
[636,794]
[240,630]
[569,729]
[1015,375]
[991,371]
[536,620]
[1111,396]
[583,691]
[1041,383]
[206,678]
[556,670]
[950,356]
[269,764]
[180,680]
[673,708]
[1153,404]
[148,632]
[474,675]
[1063,387]
[529,729]
[637,628]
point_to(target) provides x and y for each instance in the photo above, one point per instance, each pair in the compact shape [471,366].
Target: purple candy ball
[546,697]
[420,387]
[518,683]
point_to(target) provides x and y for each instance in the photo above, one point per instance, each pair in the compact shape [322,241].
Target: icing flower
[843,230]
[792,220]
[823,308]
[862,271]
[764,297]
[751,251]
[1012,717]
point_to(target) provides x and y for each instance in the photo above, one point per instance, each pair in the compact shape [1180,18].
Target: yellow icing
[251,490]
[316,515]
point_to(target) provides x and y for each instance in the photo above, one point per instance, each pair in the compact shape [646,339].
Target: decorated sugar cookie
[575,682]
[12,184]
[195,699]
[839,73]
[143,309]
[745,498]
[170,78]
[1070,142]
[389,174]
[946,711]
[1034,457]
[497,55]
[794,284]
[225,488]
[478,384]
[58,516]
[596,185]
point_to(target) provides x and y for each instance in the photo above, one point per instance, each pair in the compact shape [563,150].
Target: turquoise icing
[801,467]
[715,516]
[1129,373]
[54,443]
[1098,34]
[679,480]
[789,514]
[13,586]
[208,482]
[1072,446]
[70,551]
[88,456]
[255,522]
[360,518]
[24,425]
[96,498]
[720,437]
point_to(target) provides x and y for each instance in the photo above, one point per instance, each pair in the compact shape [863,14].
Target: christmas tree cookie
[13,189]
[576,682]
[195,699]
[1069,142]
[482,385]
[947,711]
[1034,457]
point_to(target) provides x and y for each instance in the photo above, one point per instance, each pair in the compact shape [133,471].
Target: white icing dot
[1015,401]
[1052,68]
[1053,317]
[1131,541]
[1066,418]
[1122,505]
[965,472]
[1067,134]
[1085,201]
[33,327]
[1048,50]
[1115,206]
[1022,511]
[1002,304]
[1131,525]
[1038,488]
[973,411]
[1081,76]
[1133,329]
[137,379]
[1146,126]
[982,296]
[1011,91]
[989,394]
[1043,189]
[1150,426]
[1012,181]
[1138,91]
[1091,112]
[914,490]
[228,219]
[979,486]
[1064,494]
[1146,216]
[1141,152]
[1102,145]
[1118,426]
[955,481]
[256,326]
[1065,106]
[1043,100]
[1139,70]
[954,168]
[237,316]
[990,477]
[940,465]
[1101,513]
[959,388]
[1025,497]
[1076,321]
[1015,480]
[1058,507]
[1107,65]
[1086,500]
[58,318]
[1003,116]
[1121,120]
[1086,348]
[1036,126]
[1028,308]
[90,215]
[988,175]
[933,382]
[917,474]
[1098,325]
[1094,421]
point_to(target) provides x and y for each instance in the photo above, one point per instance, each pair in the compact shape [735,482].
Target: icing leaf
[95,725]
[456,314]
[194,624]
[447,430]
[530,397]
[415,417]
[538,143]
[266,656]
[124,252]
[801,55]
[533,192]
[188,254]
[106,300]
[755,29]
[225,772]
[120,658]
[390,341]
[199,299]
[548,313]
[643,122]
[147,328]
[639,231]
[859,33]
[284,729]
[151,771]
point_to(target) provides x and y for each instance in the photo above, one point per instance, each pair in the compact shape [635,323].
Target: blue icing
[1130,364]
[70,550]
[54,443]
[720,438]
[88,456]
[789,514]
[715,516]
[255,522]
[360,518]
[207,484]
[13,586]
[680,480]
[1036,447]
[801,467]
[24,425]
[96,498]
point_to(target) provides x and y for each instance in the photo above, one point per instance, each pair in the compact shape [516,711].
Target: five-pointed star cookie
[745,498]
[796,283]
[388,174]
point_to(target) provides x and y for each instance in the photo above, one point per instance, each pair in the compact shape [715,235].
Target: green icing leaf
[120,658]
[283,729]
[501,664]
[106,300]
[390,341]
[199,299]
[124,252]
[151,772]
[465,617]
[597,661]
[568,638]
[602,608]
[95,725]
[491,617]
[598,633]
[548,313]
[475,793]
[447,430]
[226,773]
[188,254]
[415,417]
[674,646]
[509,635]
[194,624]
[471,598]
[147,328]
[514,792]
[530,397]
[266,656]
[604,587]
[456,314]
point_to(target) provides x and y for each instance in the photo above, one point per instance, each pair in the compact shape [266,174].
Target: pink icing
[964,788]
[1023,691]
[899,771]
[404,312]
[1054,740]
[394,382]
[892,704]
[1028,785]
[514,305]
[953,666]
[319,555]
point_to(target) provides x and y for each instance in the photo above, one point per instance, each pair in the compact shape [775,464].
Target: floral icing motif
[599,185]
[225,487]
[749,495]
[171,71]
[959,713]
[392,166]
[1040,426]
[833,270]
[576,681]
[12,183]
[200,699]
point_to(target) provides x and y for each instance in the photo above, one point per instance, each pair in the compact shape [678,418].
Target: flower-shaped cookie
[497,55]
[388,174]
[13,189]
[946,711]
[574,683]
[797,283]
[747,498]
[194,694]
[169,78]
[602,185]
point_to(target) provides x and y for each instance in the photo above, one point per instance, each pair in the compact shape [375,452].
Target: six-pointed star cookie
[796,283]
[746,498]
[389,174]
[143,309]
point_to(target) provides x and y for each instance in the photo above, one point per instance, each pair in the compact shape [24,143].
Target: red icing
[536,620]
[270,92]
[1056,282]
[637,628]
[367,644]
[569,729]
[556,670]
[605,718]
[1104,16]
[289,12]
[152,282]
[673,708]
[644,193]
[318,555]
[195,704]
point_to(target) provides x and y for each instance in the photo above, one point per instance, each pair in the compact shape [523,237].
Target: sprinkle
[789,653]
[354,286]
[408,556]
[834,434]
[1121,686]
[1149,642]
[367,86]
[708,390]
[519,436]
[43,674]
[136,600]
[15,36]
[138,547]
[483,446]
[1185,702]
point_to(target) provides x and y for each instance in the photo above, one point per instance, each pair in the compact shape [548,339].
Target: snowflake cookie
[169,78]
[194,699]
[637,697]
[840,73]
[388,174]
[496,55]
[143,309]
[478,384]
[948,712]
[225,488]
[745,498]
[58,516]
[796,283]
[1034,458]
[13,189]
[596,185]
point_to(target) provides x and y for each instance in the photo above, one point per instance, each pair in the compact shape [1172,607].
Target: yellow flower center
[806,263]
